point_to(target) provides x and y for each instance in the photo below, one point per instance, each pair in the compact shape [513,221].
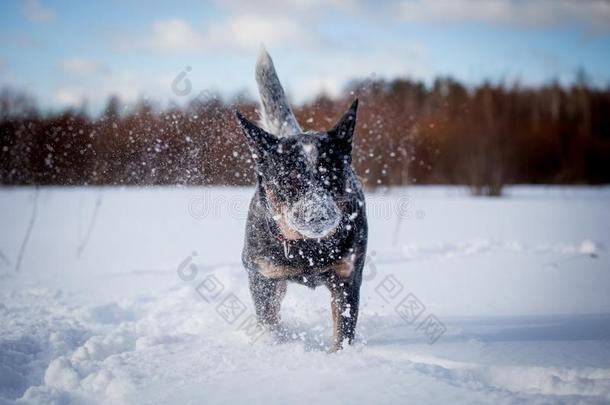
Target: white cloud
[307,88]
[250,30]
[173,35]
[332,71]
[535,13]
[128,86]
[244,31]
[67,96]
[297,8]
[36,12]
[80,66]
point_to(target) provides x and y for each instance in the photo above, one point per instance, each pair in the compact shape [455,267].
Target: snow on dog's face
[302,175]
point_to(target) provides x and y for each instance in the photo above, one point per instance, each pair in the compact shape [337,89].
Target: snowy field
[138,296]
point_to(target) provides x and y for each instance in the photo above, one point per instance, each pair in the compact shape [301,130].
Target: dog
[307,219]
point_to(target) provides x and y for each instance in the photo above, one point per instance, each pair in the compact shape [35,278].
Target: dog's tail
[276,116]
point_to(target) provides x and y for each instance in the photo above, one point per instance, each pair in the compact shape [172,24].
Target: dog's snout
[314,216]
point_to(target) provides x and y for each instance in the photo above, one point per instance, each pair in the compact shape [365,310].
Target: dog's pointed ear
[259,140]
[343,132]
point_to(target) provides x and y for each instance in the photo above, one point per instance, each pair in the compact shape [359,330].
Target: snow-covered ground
[138,296]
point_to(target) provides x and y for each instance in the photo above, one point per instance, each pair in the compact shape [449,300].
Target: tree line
[485,137]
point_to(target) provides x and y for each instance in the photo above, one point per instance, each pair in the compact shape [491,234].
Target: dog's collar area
[286,246]
[278,234]
[286,243]
[280,238]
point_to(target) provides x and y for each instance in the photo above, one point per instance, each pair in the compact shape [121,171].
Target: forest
[485,137]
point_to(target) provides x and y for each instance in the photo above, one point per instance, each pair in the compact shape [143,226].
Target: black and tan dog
[307,220]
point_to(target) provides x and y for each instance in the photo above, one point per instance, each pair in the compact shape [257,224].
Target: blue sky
[64,52]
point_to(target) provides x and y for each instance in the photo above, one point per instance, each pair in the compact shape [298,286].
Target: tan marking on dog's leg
[276,303]
[344,268]
[337,306]
[272,271]
[333,310]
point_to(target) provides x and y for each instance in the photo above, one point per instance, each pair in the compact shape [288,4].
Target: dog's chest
[311,151]
[310,254]
[341,268]
[294,257]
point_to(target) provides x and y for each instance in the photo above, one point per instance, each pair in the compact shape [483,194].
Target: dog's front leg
[267,295]
[345,298]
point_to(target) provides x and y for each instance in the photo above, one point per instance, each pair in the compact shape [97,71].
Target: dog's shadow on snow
[498,329]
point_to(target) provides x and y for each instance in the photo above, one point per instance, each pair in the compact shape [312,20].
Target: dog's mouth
[314,216]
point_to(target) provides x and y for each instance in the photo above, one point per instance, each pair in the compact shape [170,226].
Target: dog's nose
[314,216]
